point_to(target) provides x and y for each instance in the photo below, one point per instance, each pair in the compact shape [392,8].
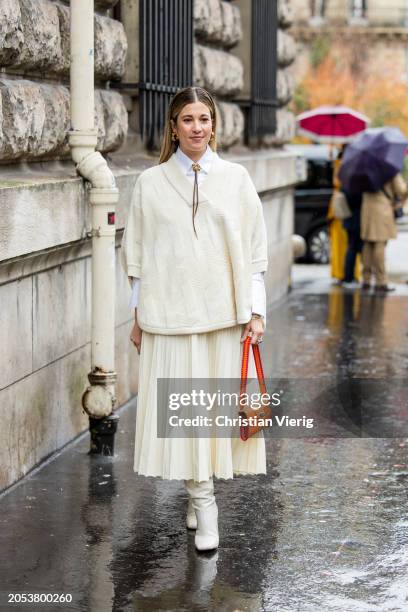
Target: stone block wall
[34,95]
[274,177]
[34,54]
[45,294]
[285,120]
[45,252]
[218,29]
[45,319]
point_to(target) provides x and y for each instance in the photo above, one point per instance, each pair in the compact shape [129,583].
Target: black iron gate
[262,110]
[166,60]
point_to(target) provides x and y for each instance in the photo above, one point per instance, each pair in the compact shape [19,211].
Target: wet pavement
[326,529]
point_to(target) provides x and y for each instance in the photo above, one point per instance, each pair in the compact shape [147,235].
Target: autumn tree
[338,74]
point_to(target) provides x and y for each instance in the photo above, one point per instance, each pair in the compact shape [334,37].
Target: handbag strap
[258,366]
[244,366]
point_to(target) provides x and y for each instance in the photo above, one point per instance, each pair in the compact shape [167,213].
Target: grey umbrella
[373,159]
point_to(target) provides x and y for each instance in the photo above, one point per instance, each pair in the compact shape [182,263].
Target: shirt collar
[214,184]
[205,161]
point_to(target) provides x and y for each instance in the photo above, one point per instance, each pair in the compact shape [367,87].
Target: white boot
[191,519]
[203,501]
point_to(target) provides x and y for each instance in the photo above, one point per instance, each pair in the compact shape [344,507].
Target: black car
[312,198]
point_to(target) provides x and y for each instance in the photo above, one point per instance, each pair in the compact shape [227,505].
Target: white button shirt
[258,285]
[205,163]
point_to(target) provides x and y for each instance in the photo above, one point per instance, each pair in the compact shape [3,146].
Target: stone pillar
[129,15]
[243,48]
[217,28]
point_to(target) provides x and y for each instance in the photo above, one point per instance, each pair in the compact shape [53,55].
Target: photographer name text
[226,421]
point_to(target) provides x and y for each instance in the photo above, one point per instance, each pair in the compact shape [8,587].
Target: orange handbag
[249,416]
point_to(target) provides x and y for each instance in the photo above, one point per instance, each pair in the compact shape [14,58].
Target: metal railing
[166,65]
[263,103]
[166,60]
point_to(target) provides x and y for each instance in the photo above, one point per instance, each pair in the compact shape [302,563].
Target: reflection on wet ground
[325,529]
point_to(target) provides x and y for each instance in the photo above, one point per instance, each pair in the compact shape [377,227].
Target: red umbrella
[332,124]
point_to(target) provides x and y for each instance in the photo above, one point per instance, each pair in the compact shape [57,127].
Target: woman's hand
[136,336]
[256,328]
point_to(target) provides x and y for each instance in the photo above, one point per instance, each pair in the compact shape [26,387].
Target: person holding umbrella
[337,232]
[377,227]
[372,165]
[336,125]
[352,225]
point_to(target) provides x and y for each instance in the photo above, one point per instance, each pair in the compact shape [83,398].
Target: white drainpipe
[99,399]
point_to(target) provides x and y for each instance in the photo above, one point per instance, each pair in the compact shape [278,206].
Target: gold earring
[174,137]
[212,136]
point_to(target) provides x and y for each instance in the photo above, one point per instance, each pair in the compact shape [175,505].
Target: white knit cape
[189,284]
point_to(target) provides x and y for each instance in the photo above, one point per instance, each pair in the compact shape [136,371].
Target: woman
[338,233]
[377,227]
[195,237]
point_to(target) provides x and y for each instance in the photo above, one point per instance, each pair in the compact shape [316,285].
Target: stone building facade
[35,60]
[45,248]
[377,29]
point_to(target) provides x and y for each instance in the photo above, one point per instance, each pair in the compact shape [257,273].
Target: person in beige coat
[377,227]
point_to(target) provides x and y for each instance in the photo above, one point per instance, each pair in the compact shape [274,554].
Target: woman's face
[193,128]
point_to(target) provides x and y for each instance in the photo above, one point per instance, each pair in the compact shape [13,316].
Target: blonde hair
[185,96]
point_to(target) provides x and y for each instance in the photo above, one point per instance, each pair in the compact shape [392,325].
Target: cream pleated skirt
[215,354]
